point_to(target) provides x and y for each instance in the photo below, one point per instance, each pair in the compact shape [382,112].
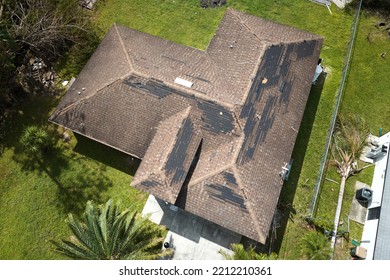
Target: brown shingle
[181,138]
[216,148]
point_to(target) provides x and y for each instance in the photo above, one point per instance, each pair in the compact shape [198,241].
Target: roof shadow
[106,155]
[285,203]
[194,227]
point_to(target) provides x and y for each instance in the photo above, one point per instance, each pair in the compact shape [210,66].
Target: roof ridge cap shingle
[303,31]
[209,175]
[225,167]
[248,203]
[128,58]
[93,94]
[70,106]
[199,95]
[67,108]
[187,91]
[237,15]
[185,114]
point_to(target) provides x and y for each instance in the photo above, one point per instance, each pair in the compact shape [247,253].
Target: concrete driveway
[191,237]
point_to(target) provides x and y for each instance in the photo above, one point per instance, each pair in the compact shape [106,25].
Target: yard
[35,198]
[367,94]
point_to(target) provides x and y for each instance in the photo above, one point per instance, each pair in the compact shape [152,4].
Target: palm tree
[34,139]
[240,253]
[350,137]
[106,233]
[315,246]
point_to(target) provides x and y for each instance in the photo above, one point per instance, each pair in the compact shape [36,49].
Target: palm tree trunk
[338,211]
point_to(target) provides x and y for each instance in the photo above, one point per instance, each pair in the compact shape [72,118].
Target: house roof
[382,247]
[215,144]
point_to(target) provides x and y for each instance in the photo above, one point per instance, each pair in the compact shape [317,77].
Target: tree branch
[364,167]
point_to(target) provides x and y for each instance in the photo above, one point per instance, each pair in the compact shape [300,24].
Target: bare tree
[34,35]
[1,8]
[349,138]
[45,26]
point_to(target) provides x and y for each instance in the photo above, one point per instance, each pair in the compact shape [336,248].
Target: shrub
[35,140]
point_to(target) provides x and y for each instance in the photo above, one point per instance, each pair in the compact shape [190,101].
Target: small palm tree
[315,246]
[34,139]
[106,233]
[240,253]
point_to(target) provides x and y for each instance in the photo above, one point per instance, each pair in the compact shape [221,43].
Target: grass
[184,22]
[35,198]
[366,94]
[367,90]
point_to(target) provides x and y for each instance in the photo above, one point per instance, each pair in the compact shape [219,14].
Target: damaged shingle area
[176,162]
[215,143]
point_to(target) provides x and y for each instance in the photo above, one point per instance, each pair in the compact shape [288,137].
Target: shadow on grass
[50,161]
[106,155]
[77,180]
[285,207]
[34,111]
[81,183]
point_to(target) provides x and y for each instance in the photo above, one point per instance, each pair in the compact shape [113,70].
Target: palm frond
[34,139]
[349,139]
[74,251]
[106,232]
[315,246]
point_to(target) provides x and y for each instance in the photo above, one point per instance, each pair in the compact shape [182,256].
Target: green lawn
[367,94]
[186,23]
[367,90]
[183,22]
[35,198]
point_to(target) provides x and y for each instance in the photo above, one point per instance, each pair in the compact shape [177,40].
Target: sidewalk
[191,237]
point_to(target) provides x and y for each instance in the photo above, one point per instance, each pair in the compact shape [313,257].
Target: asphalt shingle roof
[215,148]
[382,247]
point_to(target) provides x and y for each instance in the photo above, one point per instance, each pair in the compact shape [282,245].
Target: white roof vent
[183,82]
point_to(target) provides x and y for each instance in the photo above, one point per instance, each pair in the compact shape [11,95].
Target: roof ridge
[304,31]
[259,59]
[140,180]
[188,92]
[209,175]
[248,205]
[186,114]
[123,47]
[70,106]
[267,45]
[219,170]
[67,108]
[236,14]
[199,95]
[206,51]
